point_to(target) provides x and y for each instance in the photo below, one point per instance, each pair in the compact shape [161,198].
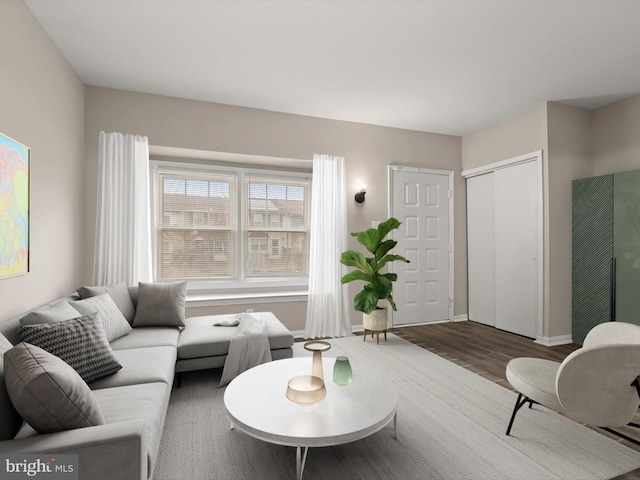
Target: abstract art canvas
[14,207]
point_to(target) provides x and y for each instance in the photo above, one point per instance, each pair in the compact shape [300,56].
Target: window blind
[277,227]
[196,218]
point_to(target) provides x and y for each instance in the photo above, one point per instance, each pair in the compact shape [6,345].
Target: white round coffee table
[256,404]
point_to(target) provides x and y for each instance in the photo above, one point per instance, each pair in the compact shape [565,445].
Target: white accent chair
[598,384]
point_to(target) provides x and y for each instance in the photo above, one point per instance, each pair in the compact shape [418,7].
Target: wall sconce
[361,193]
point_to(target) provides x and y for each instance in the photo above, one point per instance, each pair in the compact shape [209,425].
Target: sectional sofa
[133,400]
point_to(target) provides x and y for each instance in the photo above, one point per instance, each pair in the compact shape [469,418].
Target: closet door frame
[537,158]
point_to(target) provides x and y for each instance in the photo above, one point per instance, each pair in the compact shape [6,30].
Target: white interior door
[480,248]
[517,226]
[420,200]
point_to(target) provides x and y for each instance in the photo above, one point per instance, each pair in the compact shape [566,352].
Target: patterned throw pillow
[81,342]
[114,323]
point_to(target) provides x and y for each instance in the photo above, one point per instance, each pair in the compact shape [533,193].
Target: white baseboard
[358,328]
[300,333]
[554,341]
[297,333]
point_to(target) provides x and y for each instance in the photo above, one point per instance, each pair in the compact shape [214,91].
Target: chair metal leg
[622,435]
[519,403]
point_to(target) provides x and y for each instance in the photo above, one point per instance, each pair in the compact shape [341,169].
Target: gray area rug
[451,425]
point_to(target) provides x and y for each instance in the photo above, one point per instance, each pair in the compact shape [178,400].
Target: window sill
[212,299]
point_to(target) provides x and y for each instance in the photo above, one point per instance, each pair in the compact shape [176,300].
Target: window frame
[240,282]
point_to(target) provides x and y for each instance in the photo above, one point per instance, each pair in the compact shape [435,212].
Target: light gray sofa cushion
[201,339]
[141,365]
[121,406]
[119,292]
[148,401]
[9,328]
[160,304]
[57,312]
[114,323]
[81,342]
[148,337]
[48,393]
[10,419]
[204,363]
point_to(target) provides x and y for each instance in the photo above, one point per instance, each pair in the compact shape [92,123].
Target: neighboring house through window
[222,226]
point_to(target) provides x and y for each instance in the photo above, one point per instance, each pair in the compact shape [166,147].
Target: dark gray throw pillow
[11,419]
[48,393]
[81,342]
[160,304]
[119,294]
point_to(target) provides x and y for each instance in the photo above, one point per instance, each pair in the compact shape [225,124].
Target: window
[230,225]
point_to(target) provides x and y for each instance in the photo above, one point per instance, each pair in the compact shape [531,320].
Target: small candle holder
[317,347]
[308,389]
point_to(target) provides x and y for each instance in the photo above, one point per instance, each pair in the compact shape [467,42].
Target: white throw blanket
[249,347]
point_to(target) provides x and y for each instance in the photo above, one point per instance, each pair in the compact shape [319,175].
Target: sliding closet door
[480,243]
[517,226]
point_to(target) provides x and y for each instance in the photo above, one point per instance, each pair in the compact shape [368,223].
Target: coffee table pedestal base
[301,452]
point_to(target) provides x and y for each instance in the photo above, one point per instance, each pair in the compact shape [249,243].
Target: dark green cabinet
[605,251]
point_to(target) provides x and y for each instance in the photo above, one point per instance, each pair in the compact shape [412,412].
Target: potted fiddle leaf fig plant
[378,286]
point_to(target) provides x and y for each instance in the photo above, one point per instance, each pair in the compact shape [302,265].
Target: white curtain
[123,223]
[327,309]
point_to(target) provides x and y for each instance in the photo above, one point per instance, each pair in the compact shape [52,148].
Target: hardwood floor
[486,351]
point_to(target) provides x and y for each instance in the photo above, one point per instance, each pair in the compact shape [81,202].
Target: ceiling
[443,66]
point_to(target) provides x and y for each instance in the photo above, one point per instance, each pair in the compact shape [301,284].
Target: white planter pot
[375,321]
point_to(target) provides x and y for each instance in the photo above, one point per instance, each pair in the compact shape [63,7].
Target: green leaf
[384,248]
[392,303]
[365,301]
[382,286]
[356,275]
[385,227]
[391,276]
[369,239]
[356,259]
[373,264]
[391,258]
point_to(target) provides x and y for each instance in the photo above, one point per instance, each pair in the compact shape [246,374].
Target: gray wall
[522,133]
[616,137]
[569,158]
[43,107]
[197,125]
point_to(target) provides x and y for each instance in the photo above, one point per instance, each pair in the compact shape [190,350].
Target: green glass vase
[342,374]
